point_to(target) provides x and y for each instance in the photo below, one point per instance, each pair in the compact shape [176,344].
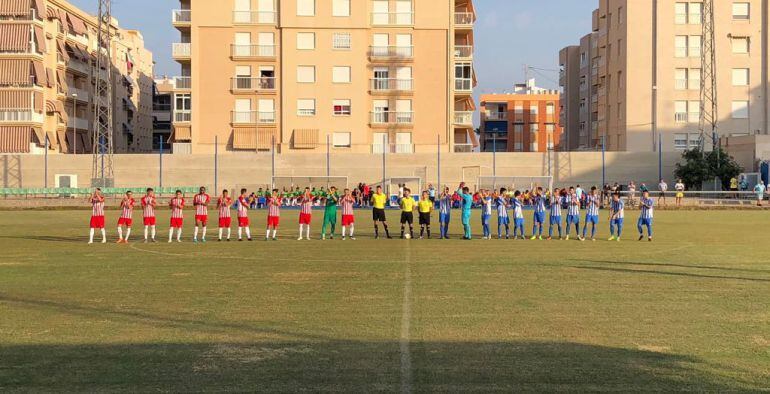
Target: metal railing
[253,117]
[392,117]
[463,51]
[78,123]
[182,116]
[306,112]
[78,94]
[182,83]
[181,16]
[249,17]
[464,18]
[181,49]
[463,148]
[391,51]
[253,83]
[390,84]
[392,18]
[249,50]
[680,84]
[21,115]
[680,117]
[464,117]
[392,148]
[496,116]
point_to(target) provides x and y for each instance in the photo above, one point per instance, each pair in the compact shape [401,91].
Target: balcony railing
[463,84]
[21,115]
[464,118]
[392,18]
[497,116]
[680,117]
[463,51]
[693,117]
[249,17]
[463,148]
[396,52]
[182,116]
[253,84]
[79,66]
[78,94]
[392,117]
[181,50]
[248,50]
[680,84]
[253,117]
[181,16]
[392,148]
[182,83]
[464,18]
[391,84]
[78,123]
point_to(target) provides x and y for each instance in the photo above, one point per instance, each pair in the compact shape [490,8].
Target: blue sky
[509,34]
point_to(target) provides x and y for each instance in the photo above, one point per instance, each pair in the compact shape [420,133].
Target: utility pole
[102,174]
[709,114]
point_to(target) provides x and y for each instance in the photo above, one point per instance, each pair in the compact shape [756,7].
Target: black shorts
[425,218]
[378,215]
[407,217]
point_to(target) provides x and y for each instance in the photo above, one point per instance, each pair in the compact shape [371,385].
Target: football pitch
[689,311]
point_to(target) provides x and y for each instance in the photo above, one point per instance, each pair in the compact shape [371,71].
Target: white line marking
[406,318]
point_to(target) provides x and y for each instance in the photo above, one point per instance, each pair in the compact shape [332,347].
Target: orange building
[525,121]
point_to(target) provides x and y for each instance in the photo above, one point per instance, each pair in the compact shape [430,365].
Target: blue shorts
[518,222]
[573,219]
[618,222]
[503,220]
[443,217]
[485,218]
[555,220]
[645,222]
[540,217]
[592,219]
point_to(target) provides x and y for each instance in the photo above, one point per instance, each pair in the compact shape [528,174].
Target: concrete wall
[251,170]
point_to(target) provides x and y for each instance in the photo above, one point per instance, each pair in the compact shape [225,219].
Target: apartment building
[162,113]
[46,90]
[298,75]
[645,74]
[526,120]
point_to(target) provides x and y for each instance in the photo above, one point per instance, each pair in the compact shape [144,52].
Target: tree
[700,166]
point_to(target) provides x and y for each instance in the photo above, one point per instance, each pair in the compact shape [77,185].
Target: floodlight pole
[216,163]
[160,163]
[660,157]
[604,169]
[438,160]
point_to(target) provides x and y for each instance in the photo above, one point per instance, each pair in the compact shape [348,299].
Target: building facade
[645,74]
[298,75]
[524,121]
[162,113]
[46,88]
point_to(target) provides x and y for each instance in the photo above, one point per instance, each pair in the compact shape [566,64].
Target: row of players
[554,202]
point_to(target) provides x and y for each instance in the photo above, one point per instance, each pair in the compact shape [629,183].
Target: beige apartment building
[637,74]
[46,51]
[358,75]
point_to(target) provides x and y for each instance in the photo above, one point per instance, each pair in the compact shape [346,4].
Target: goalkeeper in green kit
[330,212]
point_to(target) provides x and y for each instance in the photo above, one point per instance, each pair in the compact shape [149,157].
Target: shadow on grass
[667,273]
[703,267]
[47,238]
[351,366]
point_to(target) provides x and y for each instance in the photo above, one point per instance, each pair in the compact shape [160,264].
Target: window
[695,13]
[680,13]
[341,107]
[741,11]
[549,108]
[534,127]
[680,79]
[740,77]
[693,111]
[694,46]
[740,45]
[693,76]
[680,46]
[305,7]
[740,109]
[340,7]
[341,74]
[305,41]
[341,40]
[305,107]
[680,141]
[306,74]
[341,139]
[533,109]
[680,111]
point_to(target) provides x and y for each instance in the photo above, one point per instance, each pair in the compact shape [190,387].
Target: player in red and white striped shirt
[148,213]
[126,217]
[273,215]
[348,220]
[97,215]
[201,203]
[177,216]
[305,213]
[223,204]
[244,202]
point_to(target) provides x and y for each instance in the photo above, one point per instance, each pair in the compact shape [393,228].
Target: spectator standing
[663,188]
[679,187]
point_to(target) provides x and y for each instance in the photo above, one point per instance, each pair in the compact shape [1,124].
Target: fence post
[604,169]
[160,163]
[45,171]
[216,163]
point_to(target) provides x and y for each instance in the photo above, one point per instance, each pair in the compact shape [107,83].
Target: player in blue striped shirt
[502,214]
[592,213]
[573,212]
[645,219]
[445,213]
[486,213]
[518,216]
[538,219]
[555,217]
[617,213]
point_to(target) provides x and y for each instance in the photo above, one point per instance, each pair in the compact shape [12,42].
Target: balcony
[253,117]
[181,51]
[392,117]
[463,148]
[21,116]
[252,51]
[78,66]
[464,85]
[182,83]
[78,94]
[496,116]
[385,85]
[182,116]
[464,52]
[392,148]
[465,19]
[181,18]
[392,18]
[79,38]
[251,84]
[249,17]
[464,118]
[78,123]
[391,52]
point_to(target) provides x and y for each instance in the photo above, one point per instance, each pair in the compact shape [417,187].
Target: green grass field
[690,311]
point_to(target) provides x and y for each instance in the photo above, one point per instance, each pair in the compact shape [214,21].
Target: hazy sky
[509,34]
